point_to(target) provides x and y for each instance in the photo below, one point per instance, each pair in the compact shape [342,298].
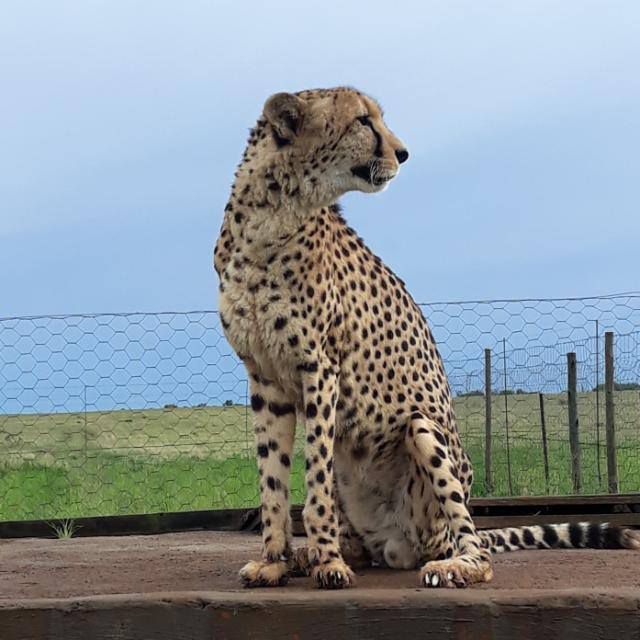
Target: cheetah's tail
[582,535]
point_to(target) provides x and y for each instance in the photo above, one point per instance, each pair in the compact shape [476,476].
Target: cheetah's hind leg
[470,562]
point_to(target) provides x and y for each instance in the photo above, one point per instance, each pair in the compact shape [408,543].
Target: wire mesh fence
[110,414]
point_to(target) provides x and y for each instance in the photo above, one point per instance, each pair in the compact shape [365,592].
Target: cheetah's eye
[363,120]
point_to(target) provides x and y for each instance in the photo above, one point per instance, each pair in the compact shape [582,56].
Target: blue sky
[122,123]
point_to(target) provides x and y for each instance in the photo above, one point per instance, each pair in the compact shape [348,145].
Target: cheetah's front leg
[328,568]
[275,422]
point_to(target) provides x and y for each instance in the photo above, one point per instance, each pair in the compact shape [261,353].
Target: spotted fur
[330,335]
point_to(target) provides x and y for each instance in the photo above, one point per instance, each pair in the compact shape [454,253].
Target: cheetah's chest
[257,322]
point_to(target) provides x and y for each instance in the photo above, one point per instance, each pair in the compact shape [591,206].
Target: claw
[335,578]
[453,573]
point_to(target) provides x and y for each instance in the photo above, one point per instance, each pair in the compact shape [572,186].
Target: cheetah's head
[336,139]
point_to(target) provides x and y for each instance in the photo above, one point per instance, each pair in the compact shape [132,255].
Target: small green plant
[64,529]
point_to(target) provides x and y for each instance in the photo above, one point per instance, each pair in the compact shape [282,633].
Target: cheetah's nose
[402,155]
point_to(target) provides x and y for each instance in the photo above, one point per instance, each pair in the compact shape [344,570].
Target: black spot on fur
[281,409]
[439,437]
[359,452]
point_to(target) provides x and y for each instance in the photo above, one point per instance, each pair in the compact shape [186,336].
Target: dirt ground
[184,586]
[208,561]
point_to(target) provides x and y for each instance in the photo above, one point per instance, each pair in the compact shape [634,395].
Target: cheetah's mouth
[371,173]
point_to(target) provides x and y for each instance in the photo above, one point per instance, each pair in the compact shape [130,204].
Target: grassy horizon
[121,462]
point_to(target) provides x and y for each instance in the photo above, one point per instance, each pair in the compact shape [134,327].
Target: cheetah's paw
[453,574]
[264,574]
[334,574]
[299,564]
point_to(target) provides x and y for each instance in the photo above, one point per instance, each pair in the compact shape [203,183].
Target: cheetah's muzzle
[372,173]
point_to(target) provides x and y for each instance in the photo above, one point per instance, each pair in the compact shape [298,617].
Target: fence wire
[109,414]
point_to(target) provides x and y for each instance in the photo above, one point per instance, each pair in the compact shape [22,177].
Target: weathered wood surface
[381,615]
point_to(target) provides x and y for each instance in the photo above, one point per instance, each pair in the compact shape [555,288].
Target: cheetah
[329,334]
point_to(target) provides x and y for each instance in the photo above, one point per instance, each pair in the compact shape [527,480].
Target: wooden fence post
[574,439]
[598,465]
[612,458]
[488,482]
[545,452]
[506,414]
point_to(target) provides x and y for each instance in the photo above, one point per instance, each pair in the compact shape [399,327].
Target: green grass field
[119,462]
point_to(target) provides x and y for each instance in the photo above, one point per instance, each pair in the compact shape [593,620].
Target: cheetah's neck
[271,199]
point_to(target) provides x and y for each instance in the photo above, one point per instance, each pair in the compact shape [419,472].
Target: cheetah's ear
[285,113]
